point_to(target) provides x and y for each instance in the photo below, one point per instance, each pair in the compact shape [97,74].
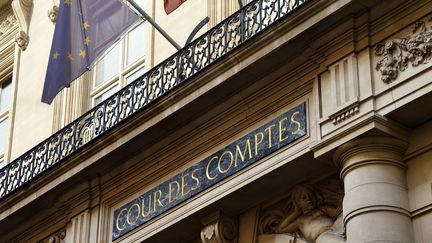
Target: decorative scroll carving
[223,229]
[22,10]
[52,13]
[7,23]
[397,53]
[310,214]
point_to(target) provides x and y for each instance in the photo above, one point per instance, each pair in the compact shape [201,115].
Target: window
[5,103]
[121,64]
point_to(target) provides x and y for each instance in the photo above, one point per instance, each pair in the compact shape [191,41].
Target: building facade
[278,121]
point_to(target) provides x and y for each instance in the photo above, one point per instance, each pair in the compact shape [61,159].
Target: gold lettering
[207,169]
[258,142]
[117,220]
[183,185]
[128,214]
[220,159]
[269,129]
[295,122]
[243,155]
[282,129]
[170,191]
[157,195]
[196,179]
[143,212]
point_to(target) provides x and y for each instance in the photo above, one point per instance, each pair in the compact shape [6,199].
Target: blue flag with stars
[84,30]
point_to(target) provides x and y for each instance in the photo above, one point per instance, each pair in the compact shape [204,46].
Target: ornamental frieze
[397,53]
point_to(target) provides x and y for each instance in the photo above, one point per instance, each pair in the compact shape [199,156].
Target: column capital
[363,151]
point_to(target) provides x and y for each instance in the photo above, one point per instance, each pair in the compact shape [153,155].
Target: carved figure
[309,216]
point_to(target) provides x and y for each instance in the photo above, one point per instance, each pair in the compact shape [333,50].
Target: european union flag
[84,30]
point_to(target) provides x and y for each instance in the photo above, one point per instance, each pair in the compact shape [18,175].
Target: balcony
[226,37]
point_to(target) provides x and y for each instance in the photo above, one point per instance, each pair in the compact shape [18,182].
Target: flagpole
[152,22]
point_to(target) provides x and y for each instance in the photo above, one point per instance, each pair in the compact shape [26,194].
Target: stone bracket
[22,10]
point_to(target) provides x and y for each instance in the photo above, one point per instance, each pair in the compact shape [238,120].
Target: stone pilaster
[375,206]
[78,231]
[219,228]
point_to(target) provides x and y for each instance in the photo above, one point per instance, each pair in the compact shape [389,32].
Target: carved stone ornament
[52,13]
[396,54]
[22,10]
[22,40]
[224,229]
[7,23]
[309,214]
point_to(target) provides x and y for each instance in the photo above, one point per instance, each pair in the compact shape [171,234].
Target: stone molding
[7,20]
[346,113]
[397,53]
[390,151]
[22,10]
[220,228]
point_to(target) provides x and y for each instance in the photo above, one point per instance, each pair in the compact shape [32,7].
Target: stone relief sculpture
[310,214]
[397,53]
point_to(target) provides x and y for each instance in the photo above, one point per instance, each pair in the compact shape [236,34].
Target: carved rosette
[396,54]
[222,230]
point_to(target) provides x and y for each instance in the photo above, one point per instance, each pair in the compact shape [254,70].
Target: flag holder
[147,17]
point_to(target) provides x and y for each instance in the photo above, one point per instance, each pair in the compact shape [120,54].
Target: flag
[171,5]
[84,30]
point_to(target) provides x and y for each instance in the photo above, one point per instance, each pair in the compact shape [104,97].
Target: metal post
[147,17]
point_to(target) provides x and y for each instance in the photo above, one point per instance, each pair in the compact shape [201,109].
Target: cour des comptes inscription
[259,143]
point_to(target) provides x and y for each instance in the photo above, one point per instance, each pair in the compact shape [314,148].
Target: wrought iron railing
[205,50]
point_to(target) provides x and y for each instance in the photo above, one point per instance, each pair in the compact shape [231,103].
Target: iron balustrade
[241,26]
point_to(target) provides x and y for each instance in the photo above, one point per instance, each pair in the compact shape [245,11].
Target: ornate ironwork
[241,26]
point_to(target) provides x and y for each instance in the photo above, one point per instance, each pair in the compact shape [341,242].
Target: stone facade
[360,171]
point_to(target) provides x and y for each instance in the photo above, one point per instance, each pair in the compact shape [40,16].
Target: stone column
[375,206]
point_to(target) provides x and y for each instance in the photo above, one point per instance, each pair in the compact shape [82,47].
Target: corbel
[22,10]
